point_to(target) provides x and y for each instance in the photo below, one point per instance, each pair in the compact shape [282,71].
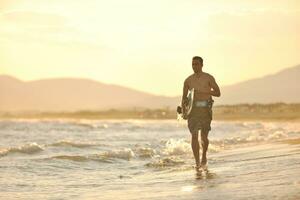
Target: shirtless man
[200,117]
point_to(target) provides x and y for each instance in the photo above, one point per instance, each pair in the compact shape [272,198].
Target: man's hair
[198,58]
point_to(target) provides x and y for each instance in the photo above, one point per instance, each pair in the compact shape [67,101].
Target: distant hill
[72,94]
[283,86]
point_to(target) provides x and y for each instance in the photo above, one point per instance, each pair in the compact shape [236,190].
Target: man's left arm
[215,88]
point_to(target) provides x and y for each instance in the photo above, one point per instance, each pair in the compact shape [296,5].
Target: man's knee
[204,142]
[204,137]
[194,136]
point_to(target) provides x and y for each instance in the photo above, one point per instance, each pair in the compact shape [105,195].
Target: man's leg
[204,143]
[196,147]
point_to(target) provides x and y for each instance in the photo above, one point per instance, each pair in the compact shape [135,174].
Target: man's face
[197,66]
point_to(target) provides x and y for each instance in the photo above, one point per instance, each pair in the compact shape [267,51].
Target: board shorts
[199,119]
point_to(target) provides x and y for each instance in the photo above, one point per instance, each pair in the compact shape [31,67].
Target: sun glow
[129,43]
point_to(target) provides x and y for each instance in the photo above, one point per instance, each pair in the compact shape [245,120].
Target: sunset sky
[148,45]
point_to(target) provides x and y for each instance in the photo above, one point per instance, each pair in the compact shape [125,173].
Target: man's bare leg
[204,143]
[196,148]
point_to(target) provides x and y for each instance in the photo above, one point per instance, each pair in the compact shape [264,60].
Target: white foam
[176,147]
[30,148]
[125,154]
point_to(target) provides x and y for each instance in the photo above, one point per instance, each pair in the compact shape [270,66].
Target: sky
[148,45]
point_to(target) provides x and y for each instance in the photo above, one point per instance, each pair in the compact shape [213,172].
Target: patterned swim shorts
[199,118]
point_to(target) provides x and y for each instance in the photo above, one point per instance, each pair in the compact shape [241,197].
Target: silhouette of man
[200,116]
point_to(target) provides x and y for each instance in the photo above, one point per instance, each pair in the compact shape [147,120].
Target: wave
[26,149]
[66,143]
[81,158]
[255,137]
[89,124]
[125,154]
[33,147]
[145,152]
[176,147]
[70,157]
[165,162]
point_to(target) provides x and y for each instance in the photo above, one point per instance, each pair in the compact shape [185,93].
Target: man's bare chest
[199,83]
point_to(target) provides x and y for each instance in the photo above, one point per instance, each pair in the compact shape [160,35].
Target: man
[200,117]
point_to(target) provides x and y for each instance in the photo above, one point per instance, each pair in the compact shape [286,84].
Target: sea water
[146,159]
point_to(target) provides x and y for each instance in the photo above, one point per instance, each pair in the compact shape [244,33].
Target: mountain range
[71,94]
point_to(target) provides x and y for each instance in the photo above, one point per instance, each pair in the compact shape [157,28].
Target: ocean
[146,159]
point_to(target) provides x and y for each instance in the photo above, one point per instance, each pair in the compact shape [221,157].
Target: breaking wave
[145,152]
[125,154]
[176,147]
[26,149]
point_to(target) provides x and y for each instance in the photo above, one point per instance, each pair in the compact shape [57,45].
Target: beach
[146,159]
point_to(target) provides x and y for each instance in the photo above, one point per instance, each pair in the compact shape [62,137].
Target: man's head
[197,64]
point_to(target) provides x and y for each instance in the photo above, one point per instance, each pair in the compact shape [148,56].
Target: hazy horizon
[175,95]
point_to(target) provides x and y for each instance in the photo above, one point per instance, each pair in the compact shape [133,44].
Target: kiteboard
[187,106]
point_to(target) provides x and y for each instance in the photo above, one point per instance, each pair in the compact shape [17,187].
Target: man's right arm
[216,90]
[184,94]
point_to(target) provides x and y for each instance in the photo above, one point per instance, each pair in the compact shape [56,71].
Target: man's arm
[185,92]
[215,88]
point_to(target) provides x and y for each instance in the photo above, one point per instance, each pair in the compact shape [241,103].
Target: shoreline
[218,119]
[239,112]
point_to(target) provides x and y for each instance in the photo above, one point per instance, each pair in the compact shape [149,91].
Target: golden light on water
[188,188]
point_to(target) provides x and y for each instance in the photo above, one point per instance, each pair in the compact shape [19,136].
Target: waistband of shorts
[201,103]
